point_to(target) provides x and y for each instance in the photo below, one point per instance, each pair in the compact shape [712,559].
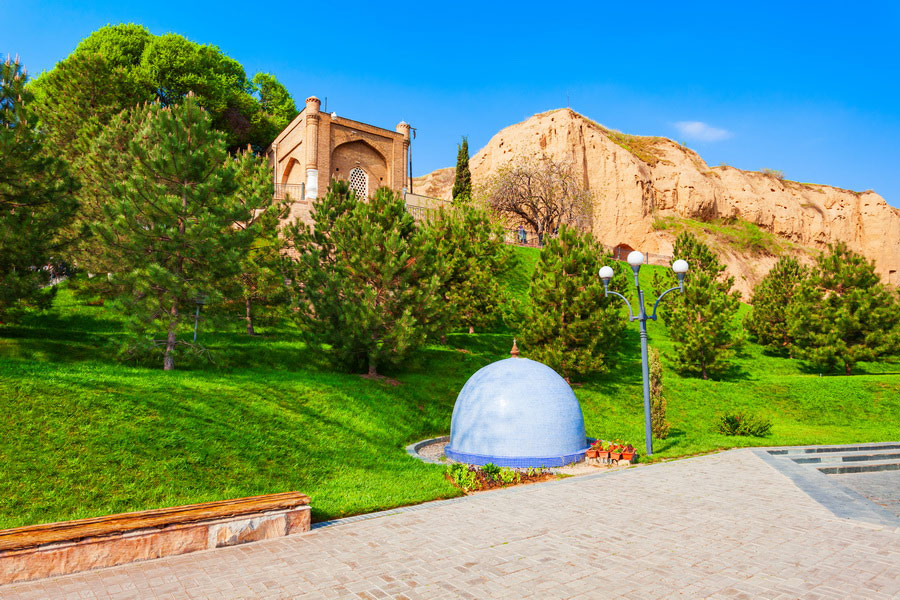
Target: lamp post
[636,259]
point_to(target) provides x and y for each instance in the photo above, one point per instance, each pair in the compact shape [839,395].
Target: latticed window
[359,182]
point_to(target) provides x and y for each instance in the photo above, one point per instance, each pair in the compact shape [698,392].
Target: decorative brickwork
[317,147]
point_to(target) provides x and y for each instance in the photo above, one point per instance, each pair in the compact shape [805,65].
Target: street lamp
[636,259]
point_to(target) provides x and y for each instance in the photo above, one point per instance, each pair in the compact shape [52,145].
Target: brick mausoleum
[317,147]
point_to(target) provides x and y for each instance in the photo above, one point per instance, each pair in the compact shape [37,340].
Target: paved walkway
[729,525]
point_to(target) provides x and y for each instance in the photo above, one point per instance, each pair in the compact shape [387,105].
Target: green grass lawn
[85,435]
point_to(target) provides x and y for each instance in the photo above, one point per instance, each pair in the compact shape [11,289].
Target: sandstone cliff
[638,181]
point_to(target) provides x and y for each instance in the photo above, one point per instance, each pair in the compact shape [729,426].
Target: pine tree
[462,185]
[572,327]
[659,422]
[363,281]
[844,313]
[259,285]
[169,221]
[772,299]
[701,320]
[35,199]
[472,251]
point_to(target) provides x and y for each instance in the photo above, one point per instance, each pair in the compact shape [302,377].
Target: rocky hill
[647,189]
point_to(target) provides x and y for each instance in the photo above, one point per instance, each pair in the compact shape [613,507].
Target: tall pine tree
[572,327]
[259,287]
[364,283]
[772,300]
[168,222]
[35,199]
[472,251]
[701,320]
[844,313]
[462,185]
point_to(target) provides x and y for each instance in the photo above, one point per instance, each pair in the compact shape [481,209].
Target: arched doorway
[621,251]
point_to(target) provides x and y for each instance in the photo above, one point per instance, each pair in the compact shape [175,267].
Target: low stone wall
[39,551]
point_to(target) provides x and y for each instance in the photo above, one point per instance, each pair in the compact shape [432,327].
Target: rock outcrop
[638,180]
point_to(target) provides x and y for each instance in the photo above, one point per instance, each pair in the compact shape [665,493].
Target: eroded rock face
[656,177]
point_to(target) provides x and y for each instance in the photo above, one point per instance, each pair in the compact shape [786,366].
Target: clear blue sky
[809,88]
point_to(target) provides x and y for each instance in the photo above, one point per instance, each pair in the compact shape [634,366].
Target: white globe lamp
[635,259]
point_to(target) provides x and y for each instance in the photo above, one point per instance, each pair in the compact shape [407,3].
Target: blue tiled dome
[517,413]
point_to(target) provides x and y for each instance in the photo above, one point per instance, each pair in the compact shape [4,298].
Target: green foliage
[258,289]
[462,184]
[658,422]
[700,319]
[572,327]
[844,314]
[509,476]
[740,423]
[364,283]
[740,234]
[87,436]
[277,107]
[491,471]
[773,299]
[120,66]
[168,222]
[463,476]
[35,199]
[471,250]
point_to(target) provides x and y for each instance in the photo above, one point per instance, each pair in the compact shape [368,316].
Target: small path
[729,525]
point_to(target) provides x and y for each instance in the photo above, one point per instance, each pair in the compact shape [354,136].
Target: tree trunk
[373,372]
[703,368]
[847,367]
[471,329]
[169,360]
[250,330]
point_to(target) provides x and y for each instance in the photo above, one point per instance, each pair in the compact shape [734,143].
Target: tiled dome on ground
[517,413]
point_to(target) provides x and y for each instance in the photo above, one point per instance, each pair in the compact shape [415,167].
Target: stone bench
[38,551]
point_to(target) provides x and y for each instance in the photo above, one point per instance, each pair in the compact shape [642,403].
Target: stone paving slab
[882,488]
[728,525]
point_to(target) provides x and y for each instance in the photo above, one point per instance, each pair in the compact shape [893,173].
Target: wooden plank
[36,535]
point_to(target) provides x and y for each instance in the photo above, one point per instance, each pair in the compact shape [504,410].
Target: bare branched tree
[540,193]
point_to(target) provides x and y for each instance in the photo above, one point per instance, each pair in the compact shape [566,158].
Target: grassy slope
[85,436]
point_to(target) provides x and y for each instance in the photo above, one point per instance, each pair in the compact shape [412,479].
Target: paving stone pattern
[881,487]
[728,525]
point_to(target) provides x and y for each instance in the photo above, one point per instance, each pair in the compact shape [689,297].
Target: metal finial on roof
[515,350]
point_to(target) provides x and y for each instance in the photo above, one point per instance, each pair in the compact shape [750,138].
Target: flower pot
[591,453]
[615,455]
[629,456]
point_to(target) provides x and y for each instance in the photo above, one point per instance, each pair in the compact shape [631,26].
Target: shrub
[773,173]
[491,471]
[463,476]
[744,424]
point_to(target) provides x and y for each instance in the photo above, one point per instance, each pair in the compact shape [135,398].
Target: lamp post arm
[661,296]
[631,316]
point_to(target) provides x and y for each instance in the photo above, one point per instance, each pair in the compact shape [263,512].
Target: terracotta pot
[628,456]
[615,455]
[603,454]
[591,454]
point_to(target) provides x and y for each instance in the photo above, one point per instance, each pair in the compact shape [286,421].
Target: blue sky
[808,88]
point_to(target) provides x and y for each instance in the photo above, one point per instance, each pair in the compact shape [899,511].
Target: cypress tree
[168,223]
[35,199]
[572,327]
[701,320]
[364,284]
[462,184]
[772,300]
[659,422]
[844,313]
[472,251]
